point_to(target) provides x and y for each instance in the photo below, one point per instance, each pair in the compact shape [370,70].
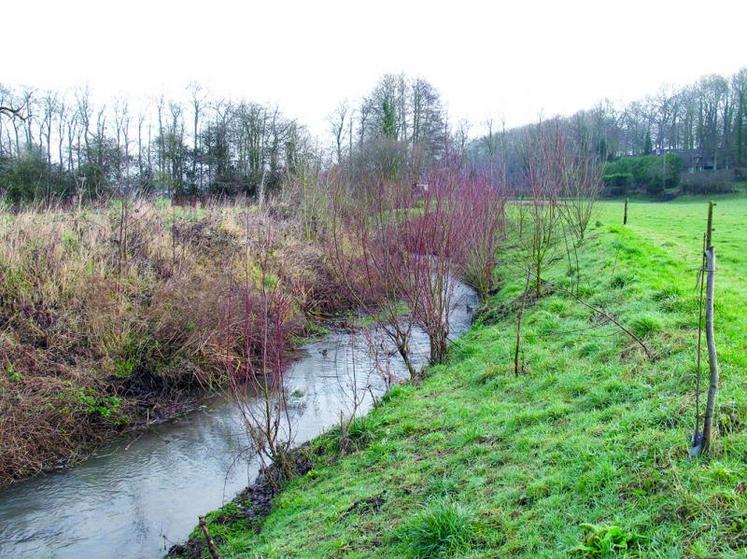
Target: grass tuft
[647,324]
[604,541]
[442,530]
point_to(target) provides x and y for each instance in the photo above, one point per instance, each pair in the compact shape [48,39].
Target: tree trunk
[438,348]
[402,349]
[538,278]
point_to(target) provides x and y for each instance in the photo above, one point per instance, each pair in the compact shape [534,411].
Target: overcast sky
[507,60]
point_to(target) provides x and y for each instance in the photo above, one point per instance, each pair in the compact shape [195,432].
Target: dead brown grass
[106,319]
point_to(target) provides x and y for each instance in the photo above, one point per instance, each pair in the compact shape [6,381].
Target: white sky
[506,60]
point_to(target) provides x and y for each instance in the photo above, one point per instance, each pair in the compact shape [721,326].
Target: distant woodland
[56,146]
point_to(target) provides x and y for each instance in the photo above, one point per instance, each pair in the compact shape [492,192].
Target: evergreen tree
[647,144]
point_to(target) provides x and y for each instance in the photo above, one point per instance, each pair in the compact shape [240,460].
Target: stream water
[136,497]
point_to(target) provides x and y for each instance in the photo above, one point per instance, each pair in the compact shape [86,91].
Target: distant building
[692,159]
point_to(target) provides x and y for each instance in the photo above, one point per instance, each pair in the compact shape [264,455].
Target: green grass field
[588,447]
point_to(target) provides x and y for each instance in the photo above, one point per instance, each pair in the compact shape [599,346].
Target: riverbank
[111,317]
[152,487]
[585,453]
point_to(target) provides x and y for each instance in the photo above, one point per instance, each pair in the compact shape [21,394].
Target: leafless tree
[339,122]
[542,213]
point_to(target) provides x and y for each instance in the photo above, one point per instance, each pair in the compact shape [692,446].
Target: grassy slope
[593,433]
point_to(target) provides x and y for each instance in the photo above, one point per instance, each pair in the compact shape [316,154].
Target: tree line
[703,123]
[56,146]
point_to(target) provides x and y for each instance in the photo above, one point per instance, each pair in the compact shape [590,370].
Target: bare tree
[581,183]
[197,99]
[340,125]
[367,259]
[542,212]
[256,318]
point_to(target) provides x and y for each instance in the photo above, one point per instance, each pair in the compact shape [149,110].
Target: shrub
[708,182]
[618,183]
[444,529]
[29,177]
[650,172]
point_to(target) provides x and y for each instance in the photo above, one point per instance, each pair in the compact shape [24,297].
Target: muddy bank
[251,506]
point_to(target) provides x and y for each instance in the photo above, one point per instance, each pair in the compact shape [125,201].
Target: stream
[136,497]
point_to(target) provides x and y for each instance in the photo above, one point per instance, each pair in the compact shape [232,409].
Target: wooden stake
[208,539]
[711,342]
[517,347]
[625,215]
[709,227]
[698,356]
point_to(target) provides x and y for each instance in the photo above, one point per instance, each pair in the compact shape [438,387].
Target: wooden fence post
[625,215]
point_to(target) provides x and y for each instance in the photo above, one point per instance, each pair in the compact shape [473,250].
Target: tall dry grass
[108,314]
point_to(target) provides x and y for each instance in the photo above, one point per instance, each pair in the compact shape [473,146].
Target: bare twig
[614,321]
[208,539]
[11,112]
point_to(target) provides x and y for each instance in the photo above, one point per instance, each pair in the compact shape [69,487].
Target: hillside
[476,462]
